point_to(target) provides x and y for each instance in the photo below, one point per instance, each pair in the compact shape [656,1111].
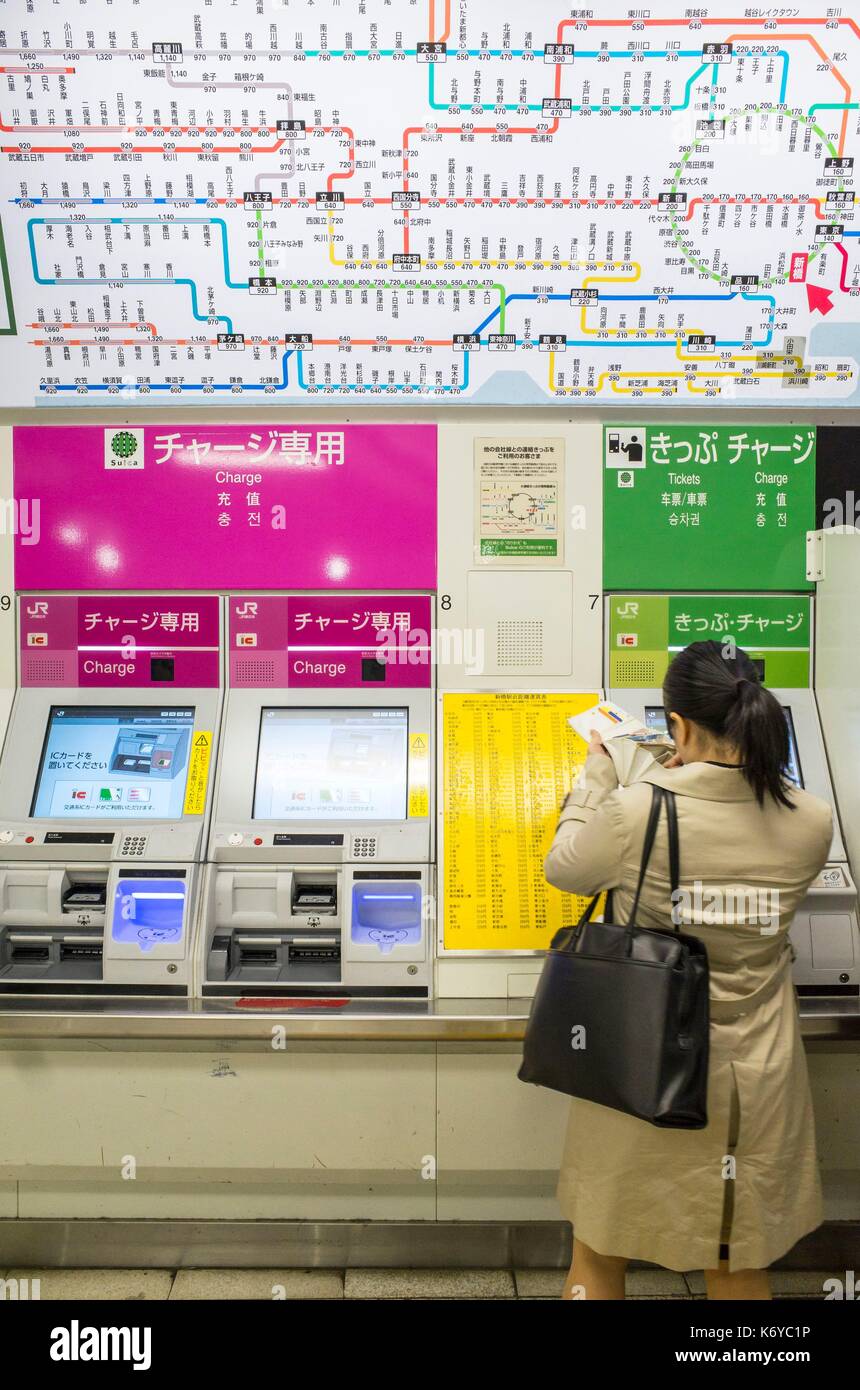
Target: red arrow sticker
[819,298]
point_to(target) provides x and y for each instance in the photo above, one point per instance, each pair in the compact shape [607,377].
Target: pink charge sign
[106,640]
[334,640]
[226,506]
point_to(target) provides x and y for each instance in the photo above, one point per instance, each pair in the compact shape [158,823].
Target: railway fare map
[402,200]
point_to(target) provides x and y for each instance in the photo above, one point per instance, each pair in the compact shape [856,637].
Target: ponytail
[724,695]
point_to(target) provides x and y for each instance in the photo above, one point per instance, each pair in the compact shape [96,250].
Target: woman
[734,1196]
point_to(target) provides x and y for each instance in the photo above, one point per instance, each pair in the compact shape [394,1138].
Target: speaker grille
[634,670]
[45,670]
[519,642]
[254,672]
[364,846]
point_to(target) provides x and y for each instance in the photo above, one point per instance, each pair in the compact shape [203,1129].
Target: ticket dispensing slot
[292,960]
[86,896]
[275,927]
[59,957]
[825,932]
[51,925]
[314,895]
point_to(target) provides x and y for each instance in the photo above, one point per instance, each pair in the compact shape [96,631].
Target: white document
[611,721]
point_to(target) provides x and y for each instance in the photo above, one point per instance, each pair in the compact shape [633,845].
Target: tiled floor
[205,1284]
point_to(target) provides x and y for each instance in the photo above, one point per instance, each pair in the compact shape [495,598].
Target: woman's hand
[597,745]
[675,761]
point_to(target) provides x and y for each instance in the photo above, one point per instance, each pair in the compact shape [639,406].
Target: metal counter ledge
[441,1020]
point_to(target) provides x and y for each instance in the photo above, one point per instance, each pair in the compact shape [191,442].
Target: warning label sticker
[419,775]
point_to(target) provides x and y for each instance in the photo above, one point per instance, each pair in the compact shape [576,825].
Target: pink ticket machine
[319,878]
[104,792]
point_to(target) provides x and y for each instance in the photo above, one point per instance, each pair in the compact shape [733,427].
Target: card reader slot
[79,950]
[280,956]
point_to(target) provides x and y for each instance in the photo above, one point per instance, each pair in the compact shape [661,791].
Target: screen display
[114,762]
[332,764]
[655,718]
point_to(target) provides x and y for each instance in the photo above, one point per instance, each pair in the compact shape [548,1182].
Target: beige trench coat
[670,1196]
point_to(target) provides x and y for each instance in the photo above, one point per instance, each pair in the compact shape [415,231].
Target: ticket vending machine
[103,790]
[319,879]
[825,932]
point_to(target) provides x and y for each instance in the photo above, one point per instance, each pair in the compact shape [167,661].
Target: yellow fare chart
[508,762]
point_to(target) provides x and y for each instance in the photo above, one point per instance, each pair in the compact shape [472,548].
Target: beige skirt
[748,1180]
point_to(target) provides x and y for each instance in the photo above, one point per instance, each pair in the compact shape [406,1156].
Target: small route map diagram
[297,201]
[507,511]
[510,510]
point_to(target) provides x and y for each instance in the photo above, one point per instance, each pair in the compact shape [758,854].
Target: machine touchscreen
[347,764]
[655,718]
[110,762]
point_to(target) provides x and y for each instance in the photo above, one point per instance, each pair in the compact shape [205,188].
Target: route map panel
[401,201]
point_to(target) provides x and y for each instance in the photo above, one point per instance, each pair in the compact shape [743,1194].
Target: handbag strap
[674,846]
[589,911]
[659,797]
[647,846]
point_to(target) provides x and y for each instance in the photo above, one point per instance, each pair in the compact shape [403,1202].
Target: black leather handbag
[620,1015]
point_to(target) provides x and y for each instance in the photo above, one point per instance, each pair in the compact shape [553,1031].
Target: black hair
[723,693]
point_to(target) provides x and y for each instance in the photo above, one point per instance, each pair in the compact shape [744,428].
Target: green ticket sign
[646,630]
[707,506]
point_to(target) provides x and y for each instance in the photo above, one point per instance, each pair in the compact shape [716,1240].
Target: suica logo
[76,1343]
